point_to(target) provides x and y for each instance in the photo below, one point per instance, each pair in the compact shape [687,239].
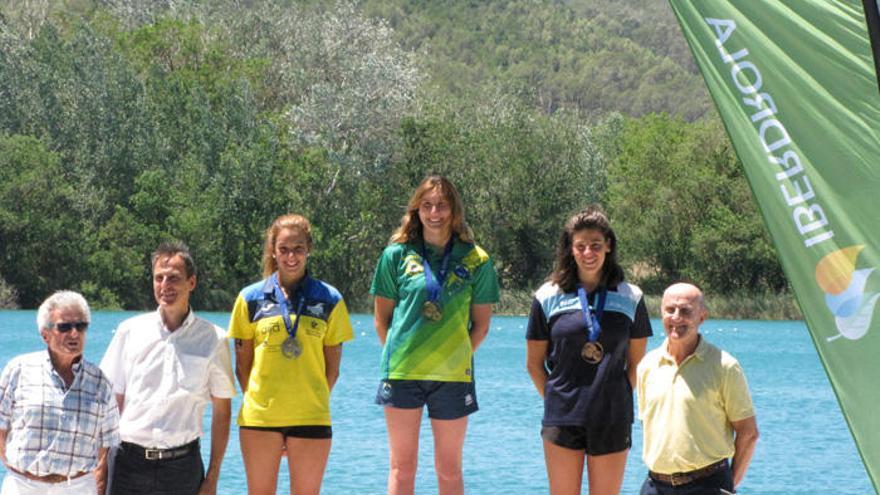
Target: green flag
[796,85]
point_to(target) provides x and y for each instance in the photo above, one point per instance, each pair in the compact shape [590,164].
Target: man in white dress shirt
[165,367]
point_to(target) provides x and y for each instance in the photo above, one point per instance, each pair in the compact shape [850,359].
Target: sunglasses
[81,326]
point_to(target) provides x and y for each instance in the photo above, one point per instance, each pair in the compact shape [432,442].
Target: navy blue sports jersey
[577,392]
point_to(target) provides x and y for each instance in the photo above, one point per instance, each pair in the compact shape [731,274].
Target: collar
[76,367]
[699,352]
[417,243]
[269,286]
[187,321]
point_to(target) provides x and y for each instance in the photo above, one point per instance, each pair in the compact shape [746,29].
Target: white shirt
[167,377]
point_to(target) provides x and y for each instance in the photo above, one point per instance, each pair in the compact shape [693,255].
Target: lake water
[804,447]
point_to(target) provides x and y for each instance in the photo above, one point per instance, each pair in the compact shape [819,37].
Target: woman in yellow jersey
[288,330]
[434,292]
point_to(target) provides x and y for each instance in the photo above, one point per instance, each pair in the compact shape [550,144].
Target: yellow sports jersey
[285,391]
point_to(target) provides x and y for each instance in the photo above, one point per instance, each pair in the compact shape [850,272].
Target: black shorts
[308,431]
[598,440]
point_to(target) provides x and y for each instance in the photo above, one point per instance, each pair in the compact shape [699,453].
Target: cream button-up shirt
[167,377]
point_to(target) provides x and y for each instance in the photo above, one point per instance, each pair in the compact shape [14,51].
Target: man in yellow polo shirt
[694,405]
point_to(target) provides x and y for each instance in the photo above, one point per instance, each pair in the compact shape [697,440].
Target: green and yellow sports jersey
[283,391]
[418,348]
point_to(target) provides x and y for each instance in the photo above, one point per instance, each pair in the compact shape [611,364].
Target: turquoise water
[804,446]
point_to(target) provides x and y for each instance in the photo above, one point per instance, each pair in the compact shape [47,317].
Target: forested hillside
[127,122]
[595,56]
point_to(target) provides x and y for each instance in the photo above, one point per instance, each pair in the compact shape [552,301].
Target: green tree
[593,56]
[682,206]
[8,295]
[42,248]
[520,176]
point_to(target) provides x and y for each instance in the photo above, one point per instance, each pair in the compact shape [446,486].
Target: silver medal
[291,348]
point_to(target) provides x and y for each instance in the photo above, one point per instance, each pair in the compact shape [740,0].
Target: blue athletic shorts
[445,400]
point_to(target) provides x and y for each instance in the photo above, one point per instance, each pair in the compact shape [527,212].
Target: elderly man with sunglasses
[58,415]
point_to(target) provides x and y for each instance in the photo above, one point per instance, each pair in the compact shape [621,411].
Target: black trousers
[711,485]
[133,474]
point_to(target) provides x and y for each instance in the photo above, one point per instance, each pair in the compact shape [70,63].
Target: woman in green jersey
[434,291]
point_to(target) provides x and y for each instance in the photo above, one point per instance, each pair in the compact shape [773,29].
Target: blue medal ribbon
[433,286]
[285,305]
[591,317]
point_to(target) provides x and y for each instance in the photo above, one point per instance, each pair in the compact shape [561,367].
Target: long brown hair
[411,225]
[289,221]
[565,273]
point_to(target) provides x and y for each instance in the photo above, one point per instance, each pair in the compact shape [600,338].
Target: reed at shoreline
[738,306]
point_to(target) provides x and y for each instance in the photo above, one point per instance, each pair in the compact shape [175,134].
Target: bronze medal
[432,311]
[290,348]
[592,352]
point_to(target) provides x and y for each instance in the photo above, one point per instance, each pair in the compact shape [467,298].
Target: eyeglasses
[81,326]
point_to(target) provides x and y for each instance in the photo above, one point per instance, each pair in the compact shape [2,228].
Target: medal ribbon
[591,318]
[432,285]
[285,309]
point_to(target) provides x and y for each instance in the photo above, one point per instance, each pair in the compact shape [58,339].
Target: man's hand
[3,434]
[221,412]
[208,487]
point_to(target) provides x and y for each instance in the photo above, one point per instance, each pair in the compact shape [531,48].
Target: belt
[48,478]
[160,454]
[676,479]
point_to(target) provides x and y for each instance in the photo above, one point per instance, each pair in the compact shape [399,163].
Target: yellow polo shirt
[687,410]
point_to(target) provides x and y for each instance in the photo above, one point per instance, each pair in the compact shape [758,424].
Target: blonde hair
[411,225]
[289,221]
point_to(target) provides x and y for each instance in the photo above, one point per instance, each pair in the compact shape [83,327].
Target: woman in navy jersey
[587,332]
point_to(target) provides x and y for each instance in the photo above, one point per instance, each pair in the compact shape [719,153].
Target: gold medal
[432,311]
[592,352]
[290,348]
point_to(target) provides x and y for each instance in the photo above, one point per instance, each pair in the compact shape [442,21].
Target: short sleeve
[338,326]
[737,400]
[385,278]
[537,327]
[220,381]
[113,363]
[6,393]
[240,325]
[485,288]
[642,323]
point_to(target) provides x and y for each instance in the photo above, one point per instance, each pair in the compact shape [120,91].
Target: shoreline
[741,306]
[516,302]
